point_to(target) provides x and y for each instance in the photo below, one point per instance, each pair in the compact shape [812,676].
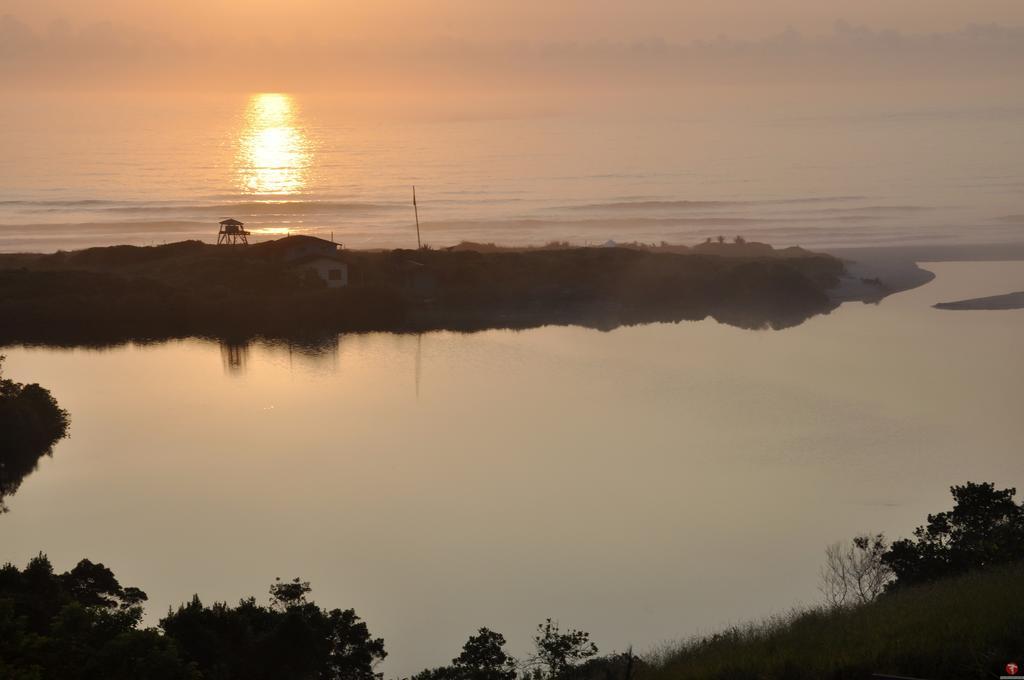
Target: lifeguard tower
[232,232]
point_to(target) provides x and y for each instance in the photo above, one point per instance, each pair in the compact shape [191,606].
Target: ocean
[101,169]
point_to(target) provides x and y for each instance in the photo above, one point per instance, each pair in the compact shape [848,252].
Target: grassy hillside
[967,627]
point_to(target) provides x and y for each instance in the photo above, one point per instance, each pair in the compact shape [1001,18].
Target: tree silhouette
[984,527]
[483,657]
[31,422]
[287,594]
[292,639]
[855,573]
[557,652]
[79,625]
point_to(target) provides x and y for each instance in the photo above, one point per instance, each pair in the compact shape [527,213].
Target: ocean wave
[58,204]
[689,204]
[254,208]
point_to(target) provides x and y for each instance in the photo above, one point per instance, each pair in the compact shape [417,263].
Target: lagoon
[644,484]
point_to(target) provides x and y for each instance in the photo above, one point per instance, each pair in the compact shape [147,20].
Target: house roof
[298,240]
[297,247]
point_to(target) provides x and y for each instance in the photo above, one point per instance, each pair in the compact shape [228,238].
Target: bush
[31,422]
[984,528]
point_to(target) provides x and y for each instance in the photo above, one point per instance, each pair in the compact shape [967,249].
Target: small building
[309,254]
[231,232]
[330,268]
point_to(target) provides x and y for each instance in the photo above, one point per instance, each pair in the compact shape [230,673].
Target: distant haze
[821,123]
[399,20]
[576,45]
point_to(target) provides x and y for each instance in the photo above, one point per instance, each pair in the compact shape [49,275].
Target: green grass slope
[966,627]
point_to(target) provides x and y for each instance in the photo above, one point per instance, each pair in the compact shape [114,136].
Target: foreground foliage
[964,627]
[79,625]
[291,639]
[984,528]
[31,422]
[951,611]
[940,605]
[483,657]
[565,655]
[83,625]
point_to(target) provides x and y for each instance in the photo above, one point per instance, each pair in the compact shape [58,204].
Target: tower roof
[231,221]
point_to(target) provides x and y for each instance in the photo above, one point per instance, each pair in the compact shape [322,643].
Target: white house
[311,254]
[330,268]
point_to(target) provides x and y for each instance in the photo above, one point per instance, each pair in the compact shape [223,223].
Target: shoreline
[302,286]
[110,295]
[876,272]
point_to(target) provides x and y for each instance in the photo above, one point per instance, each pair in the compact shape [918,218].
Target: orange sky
[611,45]
[391,20]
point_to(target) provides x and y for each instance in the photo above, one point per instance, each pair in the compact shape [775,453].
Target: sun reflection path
[273,150]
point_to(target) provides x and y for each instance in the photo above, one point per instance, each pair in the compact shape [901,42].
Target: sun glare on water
[273,151]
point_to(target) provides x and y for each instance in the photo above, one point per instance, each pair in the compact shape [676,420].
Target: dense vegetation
[290,639]
[83,625]
[79,625]
[31,422]
[964,627]
[961,620]
[120,293]
[984,528]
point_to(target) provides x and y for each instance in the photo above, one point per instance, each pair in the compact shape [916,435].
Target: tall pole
[419,245]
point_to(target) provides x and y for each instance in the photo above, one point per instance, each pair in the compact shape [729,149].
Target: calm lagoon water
[643,484]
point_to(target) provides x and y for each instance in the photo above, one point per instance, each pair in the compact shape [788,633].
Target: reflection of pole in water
[419,357]
[235,355]
[321,355]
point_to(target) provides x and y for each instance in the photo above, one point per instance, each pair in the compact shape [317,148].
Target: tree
[95,585]
[855,573]
[287,594]
[985,527]
[483,657]
[291,639]
[31,422]
[721,239]
[84,625]
[79,625]
[557,652]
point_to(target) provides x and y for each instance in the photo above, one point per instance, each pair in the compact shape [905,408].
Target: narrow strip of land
[993,302]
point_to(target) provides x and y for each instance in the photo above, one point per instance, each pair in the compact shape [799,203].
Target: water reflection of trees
[31,422]
[317,353]
[235,356]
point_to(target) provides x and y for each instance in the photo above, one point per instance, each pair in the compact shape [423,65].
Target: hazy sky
[385,44]
[521,19]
